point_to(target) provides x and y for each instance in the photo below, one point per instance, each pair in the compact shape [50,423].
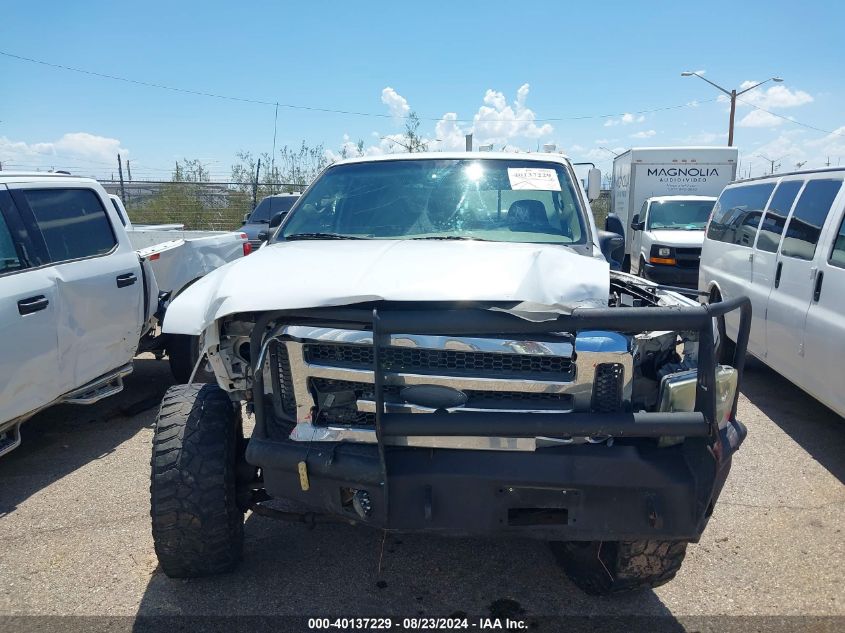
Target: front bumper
[578,492]
[629,490]
[671,275]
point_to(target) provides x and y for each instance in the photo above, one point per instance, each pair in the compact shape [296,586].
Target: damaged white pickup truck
[435,342]
[82,291]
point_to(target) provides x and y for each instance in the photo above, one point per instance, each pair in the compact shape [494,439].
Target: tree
[413,141]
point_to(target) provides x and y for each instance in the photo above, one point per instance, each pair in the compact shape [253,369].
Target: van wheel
[604,567]
[198,525]
[725,348]
[183,350]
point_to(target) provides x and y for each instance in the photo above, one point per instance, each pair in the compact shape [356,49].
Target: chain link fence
[217,206]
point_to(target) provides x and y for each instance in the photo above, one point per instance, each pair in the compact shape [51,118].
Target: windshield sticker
[533,178]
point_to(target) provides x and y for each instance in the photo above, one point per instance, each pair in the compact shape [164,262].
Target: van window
[837,254]
[9,259]
[805,225]
[73,222]
[737,213]
[771,228]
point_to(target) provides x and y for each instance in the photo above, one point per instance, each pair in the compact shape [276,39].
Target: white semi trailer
[645,172]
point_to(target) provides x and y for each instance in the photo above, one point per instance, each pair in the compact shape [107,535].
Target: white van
[781,241]
[667,236]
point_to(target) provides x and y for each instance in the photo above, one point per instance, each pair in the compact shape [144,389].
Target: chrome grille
[430,360]
[495,374]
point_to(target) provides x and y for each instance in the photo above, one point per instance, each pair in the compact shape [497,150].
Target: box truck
[647,172]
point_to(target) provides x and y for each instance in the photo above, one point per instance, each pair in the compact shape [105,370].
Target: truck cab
[667,235]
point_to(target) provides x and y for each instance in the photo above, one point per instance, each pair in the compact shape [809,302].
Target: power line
[791,120]
[276,104]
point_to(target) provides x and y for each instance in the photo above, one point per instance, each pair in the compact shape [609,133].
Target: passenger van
[781,241]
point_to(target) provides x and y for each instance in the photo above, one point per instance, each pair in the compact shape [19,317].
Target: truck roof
[681,197]
[37,175]
[533,156]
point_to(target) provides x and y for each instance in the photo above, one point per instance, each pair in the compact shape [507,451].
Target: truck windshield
[691,215]
[491,199]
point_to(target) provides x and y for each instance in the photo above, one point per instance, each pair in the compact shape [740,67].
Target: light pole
[733,94]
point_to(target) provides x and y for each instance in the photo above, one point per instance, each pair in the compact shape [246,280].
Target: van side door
[824,341]
[765,259]
[28,320]
[726,257]
[98,276]
[795,272]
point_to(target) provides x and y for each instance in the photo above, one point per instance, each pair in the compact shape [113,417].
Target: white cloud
[777,96]
[72,148]
[499,123]
[625,119]
[449,131]
[759,118]
[644,134]
[396,103]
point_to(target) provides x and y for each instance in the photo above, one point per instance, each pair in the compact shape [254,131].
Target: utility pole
[732,95]
[255,185]
[129,170]
[120,171]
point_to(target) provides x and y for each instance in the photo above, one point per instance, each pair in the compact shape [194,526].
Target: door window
[771,228]
[737,213]
[9,259]
[837,254]
[73,222]
[805,225]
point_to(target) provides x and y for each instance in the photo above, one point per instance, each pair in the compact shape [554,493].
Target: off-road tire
[183,351]
[605,567]
[198,528]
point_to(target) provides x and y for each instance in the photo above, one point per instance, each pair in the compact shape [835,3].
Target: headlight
[664,251]
[677,393]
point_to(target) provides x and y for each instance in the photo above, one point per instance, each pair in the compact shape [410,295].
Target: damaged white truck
[82,292]
[436,343]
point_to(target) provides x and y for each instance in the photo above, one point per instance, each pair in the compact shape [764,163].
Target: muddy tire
[183,351]
[196,520]
[605,567]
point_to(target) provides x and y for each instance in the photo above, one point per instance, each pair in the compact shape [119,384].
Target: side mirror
[613,248]
[246,216]
[636,225]
[614,225]
[276,220]
[264,235]
[594,184]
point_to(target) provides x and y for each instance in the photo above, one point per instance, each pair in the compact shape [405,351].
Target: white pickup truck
[82,291]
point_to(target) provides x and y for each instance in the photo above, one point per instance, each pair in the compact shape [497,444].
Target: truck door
[765,259]
[29,362]
[98,278]
[637,240]
[795,274]
[824,343]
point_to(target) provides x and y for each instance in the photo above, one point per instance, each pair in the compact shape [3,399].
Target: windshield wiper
[320,236]
[449,237]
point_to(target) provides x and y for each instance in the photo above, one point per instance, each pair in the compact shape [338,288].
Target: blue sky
[498,69]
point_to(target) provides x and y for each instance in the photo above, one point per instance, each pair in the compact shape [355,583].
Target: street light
[772,162]
[733,94]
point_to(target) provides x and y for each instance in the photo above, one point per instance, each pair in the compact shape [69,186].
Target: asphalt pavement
[75,529]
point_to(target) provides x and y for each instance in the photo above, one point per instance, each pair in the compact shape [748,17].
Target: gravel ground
[76,539]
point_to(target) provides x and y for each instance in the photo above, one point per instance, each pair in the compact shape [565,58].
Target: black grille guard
[459,321]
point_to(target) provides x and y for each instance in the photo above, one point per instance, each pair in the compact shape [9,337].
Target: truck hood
[668,237]
[312,274]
